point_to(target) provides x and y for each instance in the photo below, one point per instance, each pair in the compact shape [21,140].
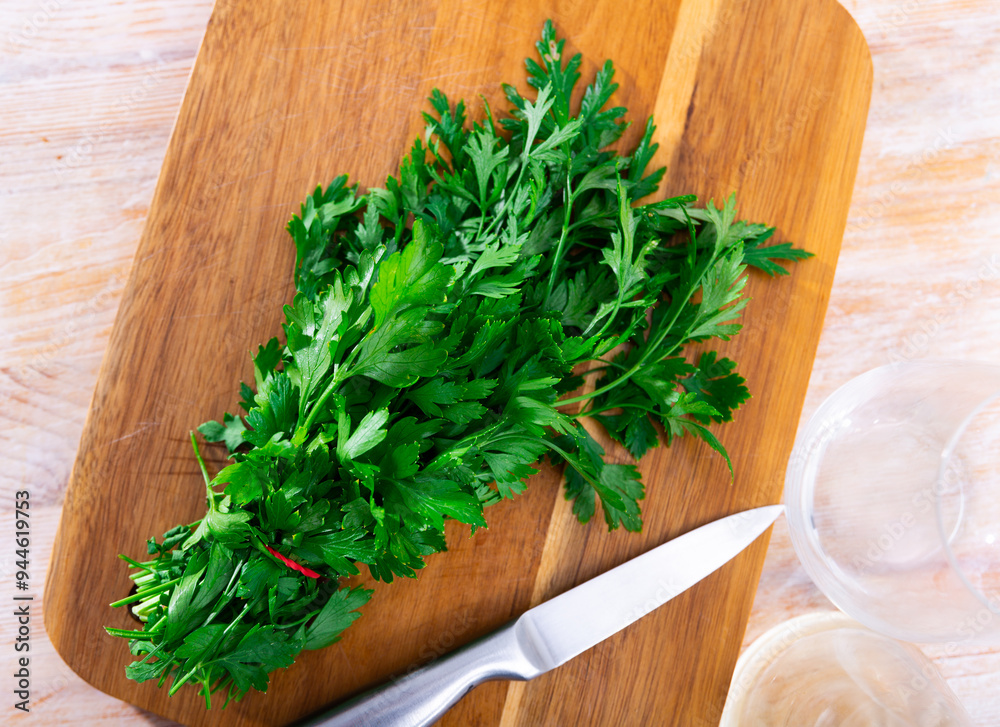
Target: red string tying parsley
[292,564]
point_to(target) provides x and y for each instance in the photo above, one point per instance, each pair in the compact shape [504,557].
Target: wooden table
[90,93]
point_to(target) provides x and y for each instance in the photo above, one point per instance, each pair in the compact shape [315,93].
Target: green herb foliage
[431,356]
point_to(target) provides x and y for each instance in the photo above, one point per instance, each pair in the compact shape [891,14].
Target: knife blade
[557,630]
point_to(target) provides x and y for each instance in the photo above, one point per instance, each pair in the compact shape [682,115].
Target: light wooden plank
[202,290]
[920,233]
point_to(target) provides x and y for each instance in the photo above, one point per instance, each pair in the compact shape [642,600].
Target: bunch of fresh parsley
[442,329]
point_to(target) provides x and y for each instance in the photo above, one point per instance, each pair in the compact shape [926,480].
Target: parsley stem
[144,609]
[135,564]
[155,651]
[331,387]
[607,365]
[572,462]
[557,258]
[468,441]
[584,221]
[131,634]
[621,379]
[227,595]
[144,579]
[502,213]
[201,463]
[209,650]
[651,345]
[302,620]
[654,342]
[141,594]
[591,412]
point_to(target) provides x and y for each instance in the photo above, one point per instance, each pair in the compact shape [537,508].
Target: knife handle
[423,695]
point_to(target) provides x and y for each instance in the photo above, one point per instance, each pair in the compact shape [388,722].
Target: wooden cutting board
[765,98]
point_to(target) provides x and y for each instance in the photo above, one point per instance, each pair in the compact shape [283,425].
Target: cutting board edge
[50,596]
[824,306]
[50,590]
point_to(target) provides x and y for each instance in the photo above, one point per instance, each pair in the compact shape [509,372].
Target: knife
[552,633]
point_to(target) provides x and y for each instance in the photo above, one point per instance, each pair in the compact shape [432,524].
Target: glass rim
[799,488]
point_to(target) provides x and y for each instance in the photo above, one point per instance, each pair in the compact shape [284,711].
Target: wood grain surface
[270,110]
[91,91]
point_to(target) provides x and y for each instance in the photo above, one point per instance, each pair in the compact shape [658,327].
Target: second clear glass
[893,500]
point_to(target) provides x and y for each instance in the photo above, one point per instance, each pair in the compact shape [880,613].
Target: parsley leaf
[504,297]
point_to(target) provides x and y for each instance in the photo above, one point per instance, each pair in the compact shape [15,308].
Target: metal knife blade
[553,632]
[582,617]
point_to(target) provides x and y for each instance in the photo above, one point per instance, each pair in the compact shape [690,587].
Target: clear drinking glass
[826,670]
[893,500]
